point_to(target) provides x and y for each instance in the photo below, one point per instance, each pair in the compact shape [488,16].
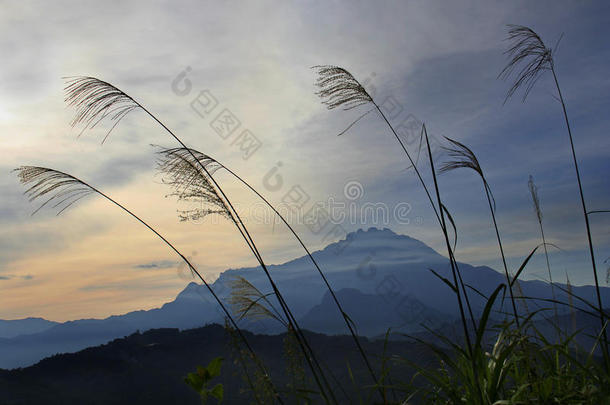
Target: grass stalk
[95,99]
[236,218]
[339,88]
[538,210]
[49,180]
[313,260]
[587,224]
[535,58]
[448,245]
[463,157]
[506,273]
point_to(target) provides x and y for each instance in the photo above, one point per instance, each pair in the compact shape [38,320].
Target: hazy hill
[16,327]
[382,278]
[148,368]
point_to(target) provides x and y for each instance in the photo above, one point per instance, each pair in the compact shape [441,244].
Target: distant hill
[148,368]
[27,326]
[382,278]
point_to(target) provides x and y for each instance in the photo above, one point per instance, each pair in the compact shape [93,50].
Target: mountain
[382,278]
[71,336]
[16,327]
[369,313]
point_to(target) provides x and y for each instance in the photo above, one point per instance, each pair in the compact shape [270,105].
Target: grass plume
[212,165]
[64,190]
[538,210]
[93,98]
[247,301]
[189,183]
[462,156]
[517,367]
[528,57]
[339,88]
[59,189]
[527,50]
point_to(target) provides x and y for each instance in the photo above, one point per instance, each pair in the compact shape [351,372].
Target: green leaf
[218,392]
[195,381]
[485,315]
[214,367]
[522,267]
[351,322]
[203,373]
[449,283]
[452,222]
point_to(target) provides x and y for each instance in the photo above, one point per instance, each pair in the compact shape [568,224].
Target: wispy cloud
[5,277]
[161,264]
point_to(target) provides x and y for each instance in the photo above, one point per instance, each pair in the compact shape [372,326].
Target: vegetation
[512,362]
[200,381]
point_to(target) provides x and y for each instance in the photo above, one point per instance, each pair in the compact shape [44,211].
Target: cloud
[127,285]
[161,264]
[13,276]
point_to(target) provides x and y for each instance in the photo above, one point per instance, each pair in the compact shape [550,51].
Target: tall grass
[538,210]
[530,58]
[61,190]
[510,362]
[95,100]
[463,157]
[189,174]
[339,88]
[217,165]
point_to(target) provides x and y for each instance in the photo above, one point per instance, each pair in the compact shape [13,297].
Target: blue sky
[438,61]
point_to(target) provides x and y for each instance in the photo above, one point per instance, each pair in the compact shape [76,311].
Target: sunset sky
[435,62]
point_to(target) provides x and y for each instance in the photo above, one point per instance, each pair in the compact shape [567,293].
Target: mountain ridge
[389,271]
[14,327]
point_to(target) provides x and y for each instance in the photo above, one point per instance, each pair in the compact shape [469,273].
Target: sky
[190,63]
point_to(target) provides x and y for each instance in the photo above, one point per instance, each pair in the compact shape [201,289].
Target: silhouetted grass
[528,51]
[463,157]
[62,190]
[95,99]
[511,362]
[339,88]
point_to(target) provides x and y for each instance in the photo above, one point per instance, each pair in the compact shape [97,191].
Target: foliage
[298,384]
[200,381]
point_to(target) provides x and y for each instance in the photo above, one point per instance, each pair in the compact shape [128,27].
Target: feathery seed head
[62,189]
[528,51]
[463,156]
[247,301]
[95,100]
[534,192]
[338,88]
[183,172]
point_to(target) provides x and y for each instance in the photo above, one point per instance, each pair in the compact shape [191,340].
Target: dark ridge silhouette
[148,368]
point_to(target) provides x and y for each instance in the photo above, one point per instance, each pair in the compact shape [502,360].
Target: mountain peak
[371,232]
[376,240]
[191,291]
